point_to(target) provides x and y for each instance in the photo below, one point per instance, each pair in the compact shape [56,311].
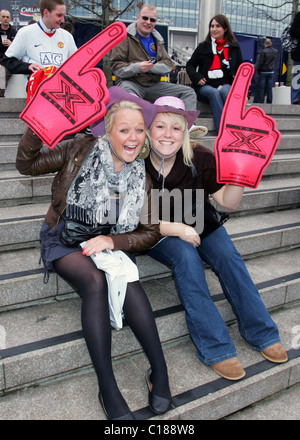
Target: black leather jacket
[65,159]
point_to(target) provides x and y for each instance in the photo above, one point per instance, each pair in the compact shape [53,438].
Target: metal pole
[16,14]
[207,9]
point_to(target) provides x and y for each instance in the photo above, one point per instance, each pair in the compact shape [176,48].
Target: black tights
[82,273]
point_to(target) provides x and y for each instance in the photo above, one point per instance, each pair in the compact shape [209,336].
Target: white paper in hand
[119,270]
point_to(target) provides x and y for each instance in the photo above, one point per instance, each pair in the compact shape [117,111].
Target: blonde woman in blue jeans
[172,163]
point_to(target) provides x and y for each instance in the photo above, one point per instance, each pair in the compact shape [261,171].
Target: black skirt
[51,246]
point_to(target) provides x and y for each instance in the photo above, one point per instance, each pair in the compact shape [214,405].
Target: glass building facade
[177,13]
[253,17]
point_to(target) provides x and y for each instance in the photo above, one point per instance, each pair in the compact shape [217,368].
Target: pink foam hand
[248,139]
[76,94]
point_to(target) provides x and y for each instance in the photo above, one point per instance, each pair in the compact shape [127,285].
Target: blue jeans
[264,87]
[215,98]
[206,326]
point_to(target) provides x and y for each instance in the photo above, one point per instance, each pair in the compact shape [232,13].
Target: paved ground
[281,406]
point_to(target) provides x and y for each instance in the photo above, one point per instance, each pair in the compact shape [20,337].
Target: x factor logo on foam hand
[76,94]
[248,139]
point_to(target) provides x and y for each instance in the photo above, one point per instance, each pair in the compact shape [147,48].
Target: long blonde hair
[187,150]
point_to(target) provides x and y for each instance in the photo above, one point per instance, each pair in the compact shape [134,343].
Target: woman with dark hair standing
[214,64]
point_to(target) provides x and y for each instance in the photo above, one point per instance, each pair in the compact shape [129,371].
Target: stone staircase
[45,369]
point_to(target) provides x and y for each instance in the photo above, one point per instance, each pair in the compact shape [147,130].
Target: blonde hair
[187,150]
[110,117]
[111,112]
[149,6]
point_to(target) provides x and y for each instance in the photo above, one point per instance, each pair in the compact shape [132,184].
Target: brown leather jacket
[65,159]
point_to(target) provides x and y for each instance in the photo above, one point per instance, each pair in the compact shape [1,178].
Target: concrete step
[11,107]
[8,152]
[15,106]
[270,109]
[271,194]
[287,151]
[198,392]
[286,125]
[20,225]
[287,118]
[15,188]
[11,128]
[285,161]
[284,405]
[22,275]
[40,331]
[32,334]
[289,144]
[19,231]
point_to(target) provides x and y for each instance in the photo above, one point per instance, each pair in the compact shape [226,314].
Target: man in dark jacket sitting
[265,71]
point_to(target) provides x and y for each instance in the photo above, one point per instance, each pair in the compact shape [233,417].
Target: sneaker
[275,353]
[231,369]
[197,131]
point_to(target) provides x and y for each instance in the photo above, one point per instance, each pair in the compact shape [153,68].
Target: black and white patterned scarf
[89,196]
[220,60]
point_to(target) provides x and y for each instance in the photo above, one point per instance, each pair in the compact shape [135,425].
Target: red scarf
[36,78]
[220,52]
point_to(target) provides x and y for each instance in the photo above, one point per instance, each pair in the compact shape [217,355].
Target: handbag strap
[195,179]
[195,176]
[63,215]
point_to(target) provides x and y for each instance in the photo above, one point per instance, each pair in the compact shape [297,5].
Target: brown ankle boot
[231,369]
[275,353]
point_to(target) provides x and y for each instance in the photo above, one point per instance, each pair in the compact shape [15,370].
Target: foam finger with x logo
[248,139]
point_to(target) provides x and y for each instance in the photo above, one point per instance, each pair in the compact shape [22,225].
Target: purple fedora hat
[116,95]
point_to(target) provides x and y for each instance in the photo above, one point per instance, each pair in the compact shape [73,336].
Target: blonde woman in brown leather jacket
[88,170]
